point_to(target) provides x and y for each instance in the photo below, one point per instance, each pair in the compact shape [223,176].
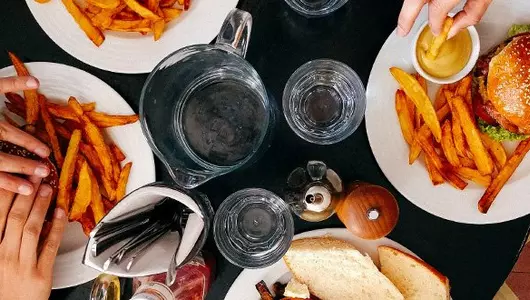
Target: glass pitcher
[204,109]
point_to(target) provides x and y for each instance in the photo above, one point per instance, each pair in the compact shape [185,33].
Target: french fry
[467,162]
[445,171]
[105,17]
[117,152]
[67,172]
[473,175]
[32,102]
[434,174]
[496,149]
[480,155]
[423,104]
[423,83]
[87,221]
[438,41]
[15,99]
[104,120]
[122,183]
[93,33]
[263,290]
[142,10]
[83,194]
[50,129]
[167,3]
[504,175]
[42,1]
[440,99]
[115,167]
[171,14]
[129,25]
[448,145]
[107,4]
[158,26]
[404,117]
[98,209]
[464,86]
[424,131]
[458,134]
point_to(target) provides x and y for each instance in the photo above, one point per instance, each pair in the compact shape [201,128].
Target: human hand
[16,164]
[438,10]
[26,273]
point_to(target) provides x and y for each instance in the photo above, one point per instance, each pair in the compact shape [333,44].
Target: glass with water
[205,110]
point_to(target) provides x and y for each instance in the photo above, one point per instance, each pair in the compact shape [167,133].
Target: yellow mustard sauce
[453,57]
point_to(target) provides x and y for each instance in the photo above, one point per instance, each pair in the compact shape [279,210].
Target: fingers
[18,137]
[33,227]
[16,220]
[15,184]
[407,16]
[15,83]
[438,10]
[472,13]
[20,165]
[52,243]
[6,198]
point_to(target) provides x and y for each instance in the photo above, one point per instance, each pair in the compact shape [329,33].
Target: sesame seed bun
[508,83]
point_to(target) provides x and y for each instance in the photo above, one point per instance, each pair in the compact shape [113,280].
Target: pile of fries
[142,16]
[447,132]
[91,178]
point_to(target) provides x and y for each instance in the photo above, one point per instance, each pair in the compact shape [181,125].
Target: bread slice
[414,278]
[334,270]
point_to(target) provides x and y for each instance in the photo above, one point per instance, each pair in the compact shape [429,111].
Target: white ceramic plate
[132,53]
[244,285]
[390,149]
[58,82]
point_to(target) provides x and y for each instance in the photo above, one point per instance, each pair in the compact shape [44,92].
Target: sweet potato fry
[83,194]
[50,129]
[434,174]
[115,167]
[423,104]
[125,25]
[469,127]
[458,135]
[67,172]
[464,86]
[93,33]
[103,120]
[142,10]
[87,221]
[15,99]
[448,145]
[438,41]
[122,183]
[445,170]
[404,117]
[32,103]
[504,175]
[158,28]
[424,131]
[467,162]
[440,99]
[423,83]
[263,290]
[107,4]
[171,14]
[117,152]
[105,17]
[62,112]
[473,175]
[21,112]
[167,3]
[98,209]
[496,149]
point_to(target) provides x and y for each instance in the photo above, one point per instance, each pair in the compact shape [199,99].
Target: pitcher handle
[235,32]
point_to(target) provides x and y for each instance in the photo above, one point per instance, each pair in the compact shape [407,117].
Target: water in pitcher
[222,121]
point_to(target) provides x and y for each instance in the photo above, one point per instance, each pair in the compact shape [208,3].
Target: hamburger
[501,88]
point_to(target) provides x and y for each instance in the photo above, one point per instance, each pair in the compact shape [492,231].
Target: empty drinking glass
[315,8]
[324,101]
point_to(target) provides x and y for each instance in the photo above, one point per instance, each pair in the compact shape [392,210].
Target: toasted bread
[414,278]
[334,270]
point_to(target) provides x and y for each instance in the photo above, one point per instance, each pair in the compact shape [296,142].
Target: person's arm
[438,11]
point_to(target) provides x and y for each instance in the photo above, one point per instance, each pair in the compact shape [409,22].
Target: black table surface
[477,259]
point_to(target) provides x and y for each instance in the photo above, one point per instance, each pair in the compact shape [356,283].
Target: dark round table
[477,259]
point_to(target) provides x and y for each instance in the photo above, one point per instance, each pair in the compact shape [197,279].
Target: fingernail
[42,171]
[32,83]
[42,152]
[59,213]
[25,189]
[45,191]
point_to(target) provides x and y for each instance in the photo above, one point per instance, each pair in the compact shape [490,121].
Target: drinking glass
[315,8]
[324,101]
[204,109]
[253,228]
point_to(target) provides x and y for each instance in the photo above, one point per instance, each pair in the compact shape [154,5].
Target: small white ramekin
[475,51]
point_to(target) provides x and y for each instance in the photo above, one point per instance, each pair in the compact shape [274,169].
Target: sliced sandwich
[414,278]
[334,270]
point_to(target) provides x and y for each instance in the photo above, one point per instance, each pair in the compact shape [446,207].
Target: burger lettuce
[518,29]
